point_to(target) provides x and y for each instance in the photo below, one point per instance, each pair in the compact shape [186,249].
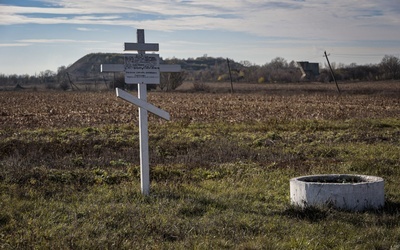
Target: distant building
[309,70]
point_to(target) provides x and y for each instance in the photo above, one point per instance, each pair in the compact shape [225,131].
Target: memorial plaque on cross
[142,69]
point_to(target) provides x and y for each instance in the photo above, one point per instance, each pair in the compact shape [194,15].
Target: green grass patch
[213,186]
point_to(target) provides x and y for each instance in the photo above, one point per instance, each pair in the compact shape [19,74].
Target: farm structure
[309,70]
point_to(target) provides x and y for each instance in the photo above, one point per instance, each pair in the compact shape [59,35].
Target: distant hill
[202,63]
[89,65]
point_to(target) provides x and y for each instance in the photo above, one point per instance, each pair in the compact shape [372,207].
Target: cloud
[85,29]
[14,44]
[11,9]
[87,18]
[32,41]
[339,19]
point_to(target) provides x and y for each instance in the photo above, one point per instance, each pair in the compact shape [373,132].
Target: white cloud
[10,9]
[30,41]
[341,19]
[13,44]
[288,18]
[85,29]
[87,18]
[287,28]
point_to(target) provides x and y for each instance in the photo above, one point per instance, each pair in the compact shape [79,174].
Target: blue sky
[37,35]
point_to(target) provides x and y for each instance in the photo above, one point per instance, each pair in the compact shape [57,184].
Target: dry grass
[220,170]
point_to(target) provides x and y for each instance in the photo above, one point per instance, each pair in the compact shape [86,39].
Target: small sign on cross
[142,69]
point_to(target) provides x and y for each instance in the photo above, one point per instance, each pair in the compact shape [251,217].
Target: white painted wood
[111,68]
[141,46]
[147,73]
[143,129]
[144,142]
[142,104]
[142,68]
[164,68]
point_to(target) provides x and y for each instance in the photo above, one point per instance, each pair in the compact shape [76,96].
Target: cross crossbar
[164,68]
[142,46]
[142,104]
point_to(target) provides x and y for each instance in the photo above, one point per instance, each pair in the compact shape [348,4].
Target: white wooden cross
[142,69]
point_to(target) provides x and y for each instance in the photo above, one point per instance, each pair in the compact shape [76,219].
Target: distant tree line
[46,77]
[210,69]
[387,69]
[282,71]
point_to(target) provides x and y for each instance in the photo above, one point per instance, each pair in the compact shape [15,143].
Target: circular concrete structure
[342,191]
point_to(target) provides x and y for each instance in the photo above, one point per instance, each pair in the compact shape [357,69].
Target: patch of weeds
[5,219]
[103,176]
[312,214]
[61,177]
[119,163]
[267,140]
[98,148]
[323,151]
[391,207]
[384,123]
[206,174]
[169,148]
[192,210]
[133,171]
[161,173]
[78,161]
[90,131]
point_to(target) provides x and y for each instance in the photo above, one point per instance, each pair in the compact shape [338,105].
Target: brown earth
[250,103]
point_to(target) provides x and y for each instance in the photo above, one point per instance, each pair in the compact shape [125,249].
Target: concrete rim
[325,179]
[355,192]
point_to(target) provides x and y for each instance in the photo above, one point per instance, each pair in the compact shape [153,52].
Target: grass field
[220,169]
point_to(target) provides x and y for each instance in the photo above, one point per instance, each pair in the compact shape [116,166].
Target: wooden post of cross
[143,128]
[142,69]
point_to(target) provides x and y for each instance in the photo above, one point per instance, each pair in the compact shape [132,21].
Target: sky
[39,35]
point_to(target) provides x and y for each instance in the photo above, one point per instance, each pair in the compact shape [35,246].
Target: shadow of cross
[142,69]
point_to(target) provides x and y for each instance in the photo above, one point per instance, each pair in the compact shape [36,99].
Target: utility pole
[230,74]
[105,82]
[71,82]
[333,75]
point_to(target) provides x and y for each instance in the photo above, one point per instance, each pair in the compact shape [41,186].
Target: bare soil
[249,103]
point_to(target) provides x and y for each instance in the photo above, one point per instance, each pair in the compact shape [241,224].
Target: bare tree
[390,66]
[171,81]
